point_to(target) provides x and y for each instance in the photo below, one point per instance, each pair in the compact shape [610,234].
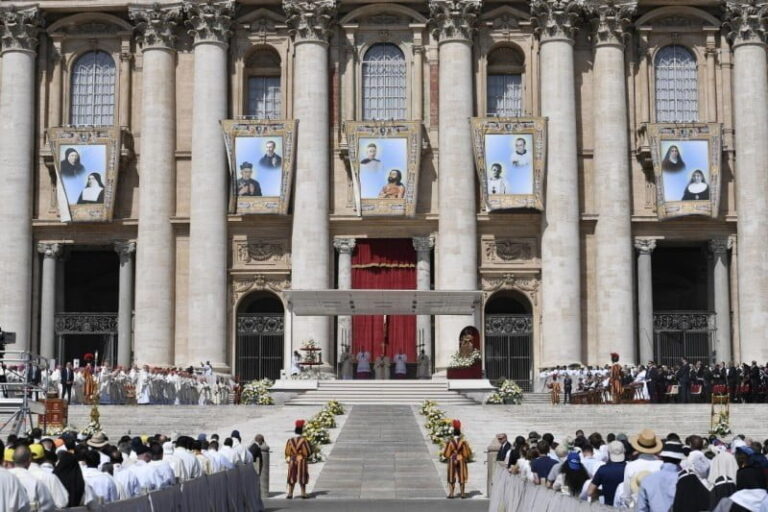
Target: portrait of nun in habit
[673,160]
[697,189]
[93,193]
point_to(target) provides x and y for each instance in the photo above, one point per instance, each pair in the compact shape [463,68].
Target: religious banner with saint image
[86,160]
[385,157]
[510,154]
[686,163]
[260,154]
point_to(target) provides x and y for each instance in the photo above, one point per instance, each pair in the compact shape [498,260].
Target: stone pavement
[411,505]
[380,454]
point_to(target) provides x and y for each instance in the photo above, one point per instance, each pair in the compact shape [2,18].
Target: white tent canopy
[383,302]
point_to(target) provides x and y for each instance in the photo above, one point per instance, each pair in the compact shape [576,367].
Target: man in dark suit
[33,377]
[732,378]
[684,381]
[567,389]
[67,379]
[271,160]
[505,447]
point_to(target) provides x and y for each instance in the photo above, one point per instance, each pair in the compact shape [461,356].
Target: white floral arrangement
[257,392]
[310,344]
[313,376]
[335,407]
[507,393]
[723,426]
[458,361]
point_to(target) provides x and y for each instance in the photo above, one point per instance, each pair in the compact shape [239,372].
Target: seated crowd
[643,472]
[69,470]
[682,382]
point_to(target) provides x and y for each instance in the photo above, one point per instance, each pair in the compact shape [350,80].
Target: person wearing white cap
[175,462]
[657,492]
[608,476]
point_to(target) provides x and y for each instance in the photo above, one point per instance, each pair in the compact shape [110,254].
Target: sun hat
[673,451]
[616,451]
[97,441]
[646,442]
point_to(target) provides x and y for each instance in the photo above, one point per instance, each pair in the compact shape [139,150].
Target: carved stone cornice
[243,285]
[720,246]
[529,285]
[310,20]
[19,28]
[645,245]
[423,243]
[556,19]
[125,250]
[49,250]
[344,245]
[453,20]
[210,21]
[609,20]
[746,21]
[156,25]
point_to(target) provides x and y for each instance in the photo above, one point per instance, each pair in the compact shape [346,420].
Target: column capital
[344,245]
[720,246]
[610,20]
[310,21]
[423,243]
[19,28]
[209,21]
[453,20]
[746,21]
[645,245]
[556,19]
[49,249]
[156,25]
[125,249]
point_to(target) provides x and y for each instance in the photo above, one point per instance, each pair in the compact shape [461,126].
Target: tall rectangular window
[384,83]
[264,98]
[92,95]
[677,88]
[505,95]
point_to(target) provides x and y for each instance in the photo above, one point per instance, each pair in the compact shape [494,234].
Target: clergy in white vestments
[174,460]
[49,480]
[242,452]
[192,466]
[12,493]
[166,476]
[400,368]
[39,496]
[128,485]
[224,462]
[149,478]
[229,452]
[102,484]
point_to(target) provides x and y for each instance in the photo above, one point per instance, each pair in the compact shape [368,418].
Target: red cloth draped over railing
[384,264]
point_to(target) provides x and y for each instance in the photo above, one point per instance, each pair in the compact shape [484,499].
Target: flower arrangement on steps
[507,393]
[439,427]
[316,429]
[257,392]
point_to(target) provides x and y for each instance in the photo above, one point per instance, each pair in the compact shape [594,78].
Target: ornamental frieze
[269,253]
[527,284]
[243,285]
[501,251]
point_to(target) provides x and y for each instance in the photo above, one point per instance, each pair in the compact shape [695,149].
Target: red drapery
[384,264]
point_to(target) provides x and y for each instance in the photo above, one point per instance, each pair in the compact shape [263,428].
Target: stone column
[155,259]
[560,244]
[125,251]
[613,232]
[51,253]
[310,24]
[645,247]
[750,107]
[344,246]
[423,246]
[209,24]
[19,28]
[722,345]
[453,23]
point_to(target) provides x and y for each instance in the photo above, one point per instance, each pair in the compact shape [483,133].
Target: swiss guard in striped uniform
[457,452]
[297,452]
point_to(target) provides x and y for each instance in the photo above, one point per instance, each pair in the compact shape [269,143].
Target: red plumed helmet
[300,423]
[456,424]
[614,356]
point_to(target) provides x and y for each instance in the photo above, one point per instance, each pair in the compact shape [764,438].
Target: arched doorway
[260,328]
[509,338]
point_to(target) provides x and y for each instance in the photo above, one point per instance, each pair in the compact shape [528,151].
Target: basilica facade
[136,225]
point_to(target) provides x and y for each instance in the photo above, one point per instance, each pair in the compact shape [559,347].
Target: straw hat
[98,441]
[646,442]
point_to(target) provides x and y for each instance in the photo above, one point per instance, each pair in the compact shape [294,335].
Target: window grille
[384,83]
[505,95]
[677,88]
[93,90]
[264,98]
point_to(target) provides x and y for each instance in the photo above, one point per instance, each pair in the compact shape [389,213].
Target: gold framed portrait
[510,155]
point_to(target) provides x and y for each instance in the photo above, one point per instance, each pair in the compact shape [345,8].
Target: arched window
[264,98]
[93,90]
[504,91]
[677,88]
[384,78]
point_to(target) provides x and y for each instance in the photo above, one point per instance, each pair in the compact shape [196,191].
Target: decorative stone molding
[556,19]
[310,21]
[260,253]
[49,250]
[720,246]
[453,20]
[610,20]
[528,285]
[19,28]
[423,243]
[344,245]
[507,250]
[746,21]
[85,323]
[243,285]
[209,21]
[156,25]
[125,250]
[645,245]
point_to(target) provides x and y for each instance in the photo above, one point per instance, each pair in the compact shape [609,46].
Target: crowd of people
[683,382]
[69,470]
[643,472]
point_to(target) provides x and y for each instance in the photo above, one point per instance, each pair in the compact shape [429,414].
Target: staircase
[396,392]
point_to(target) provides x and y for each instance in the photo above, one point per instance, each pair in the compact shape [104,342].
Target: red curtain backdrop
[384,264]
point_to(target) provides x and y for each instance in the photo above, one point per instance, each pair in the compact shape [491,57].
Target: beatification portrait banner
[260,154]
[385,157]
[686,162]
[510,155]
[86,161]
